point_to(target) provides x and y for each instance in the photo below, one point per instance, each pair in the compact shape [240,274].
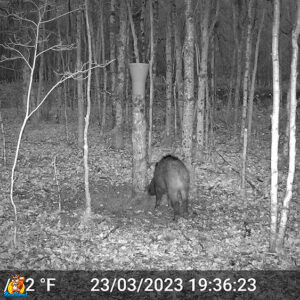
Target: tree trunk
[238,44]
[275,122]
[112,49]
[151,79]
[202,77]
[292,134]
[139,127]
[135,40]
[25,78]
[142,27]
[213,88]
[230,92]
[118,134]
[139,147]
[187,126]
[155,36]
[253,79]
[97,52]
[285,149]
[87,117]
[40,89]
[79,81]
[247,67]
[63,91]
[178,63]
[169,79]
[102,41]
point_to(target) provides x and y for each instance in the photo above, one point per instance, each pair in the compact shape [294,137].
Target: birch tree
[292,133]
[275,123]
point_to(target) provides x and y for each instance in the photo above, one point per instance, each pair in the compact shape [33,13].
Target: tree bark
[202,76]
[230,92]
[37,116]
[102,41]
[238,44]
[87,117]
[112,49]
[247,67]
[187,126]
[97,52]
[25,80]
[169,79]
[275,122]
[292,135]
[79,81]
[151,79]
[178,62]
[139,168]
[155,36]
[142,27]
[118,135]
[253,79]
[135,40]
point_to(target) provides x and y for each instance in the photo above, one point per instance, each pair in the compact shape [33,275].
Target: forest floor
[224,231]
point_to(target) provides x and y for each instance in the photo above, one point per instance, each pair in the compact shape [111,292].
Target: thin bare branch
[17,42]
[19,52]
[19,17]
[4,58]
[57,48]
[65,77]
[6,68]
[60,16]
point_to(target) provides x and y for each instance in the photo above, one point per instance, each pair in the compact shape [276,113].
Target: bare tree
[275,123]
[87,117]
[169,78]
[244,134]
[230,91]
[13,47]
[135,40]
[238,38]
[102,42]
[97,55]
[247,66]
[292,134]
[151,79]
[253,78]
[202,73]
[112,47]
[187,123]
[119,92]
[155,6]
[80,99]
[178,94]
[41,74]
[142,27]
[207,28]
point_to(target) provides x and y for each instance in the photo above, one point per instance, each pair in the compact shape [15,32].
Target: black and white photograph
[149,149]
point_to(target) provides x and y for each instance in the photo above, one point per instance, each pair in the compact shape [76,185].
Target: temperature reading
[31,283]
[49,282]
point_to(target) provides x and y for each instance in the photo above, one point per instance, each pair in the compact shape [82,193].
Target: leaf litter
[223,231]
